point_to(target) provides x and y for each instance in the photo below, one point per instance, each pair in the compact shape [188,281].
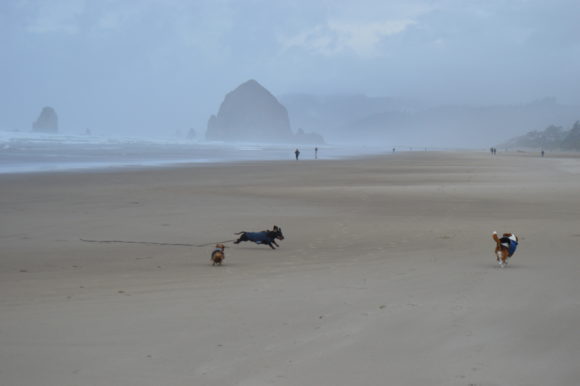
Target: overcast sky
[165,65]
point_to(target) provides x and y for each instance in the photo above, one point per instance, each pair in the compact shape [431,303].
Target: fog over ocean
[27,152]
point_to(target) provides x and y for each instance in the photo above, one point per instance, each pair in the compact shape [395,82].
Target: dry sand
[386,275]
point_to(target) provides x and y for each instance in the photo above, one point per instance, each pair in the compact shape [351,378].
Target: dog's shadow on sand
[228,261]
[208,263]
[495,265]
[261,249]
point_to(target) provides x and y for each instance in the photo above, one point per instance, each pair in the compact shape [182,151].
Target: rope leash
[153,243]
[215,242]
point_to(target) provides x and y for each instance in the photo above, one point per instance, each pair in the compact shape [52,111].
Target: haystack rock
[47,121]
[250,113]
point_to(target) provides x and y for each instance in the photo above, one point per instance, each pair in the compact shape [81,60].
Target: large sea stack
[47,121]
[250,113]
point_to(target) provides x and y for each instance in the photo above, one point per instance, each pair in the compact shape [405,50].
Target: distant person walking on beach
[316,153]
[297,153]
[542,152]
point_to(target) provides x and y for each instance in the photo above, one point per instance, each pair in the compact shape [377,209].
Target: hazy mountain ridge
[328,113]
[357,118]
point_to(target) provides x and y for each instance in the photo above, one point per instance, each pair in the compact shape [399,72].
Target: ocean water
[23,152]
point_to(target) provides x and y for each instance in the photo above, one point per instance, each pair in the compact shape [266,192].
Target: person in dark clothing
[297,153]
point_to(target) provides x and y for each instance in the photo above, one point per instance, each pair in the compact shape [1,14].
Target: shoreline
[164,164]
[64,157]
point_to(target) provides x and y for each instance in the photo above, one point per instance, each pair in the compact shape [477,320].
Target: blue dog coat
[259,237]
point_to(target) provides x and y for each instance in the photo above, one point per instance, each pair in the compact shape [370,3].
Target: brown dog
[505,247]
[218,255]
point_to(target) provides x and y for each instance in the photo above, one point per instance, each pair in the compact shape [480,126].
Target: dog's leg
[498,255]
[275,243]
[271,246]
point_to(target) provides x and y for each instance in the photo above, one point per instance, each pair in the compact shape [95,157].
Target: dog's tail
[495,238]
[239,233]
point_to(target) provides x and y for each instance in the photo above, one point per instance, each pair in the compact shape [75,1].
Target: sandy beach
[386,275]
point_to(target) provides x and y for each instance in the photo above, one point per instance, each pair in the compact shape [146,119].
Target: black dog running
[265,237]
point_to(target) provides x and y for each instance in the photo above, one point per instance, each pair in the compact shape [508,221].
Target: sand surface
[386,275]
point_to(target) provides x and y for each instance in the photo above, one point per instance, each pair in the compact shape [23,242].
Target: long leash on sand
[154,243]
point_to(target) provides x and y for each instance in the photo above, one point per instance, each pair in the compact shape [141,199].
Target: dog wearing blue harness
[506,246]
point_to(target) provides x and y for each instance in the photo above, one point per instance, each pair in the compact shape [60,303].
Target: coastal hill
[250,113]
[358,118]
[551,138]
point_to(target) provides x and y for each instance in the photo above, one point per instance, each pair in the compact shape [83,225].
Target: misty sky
[165,65]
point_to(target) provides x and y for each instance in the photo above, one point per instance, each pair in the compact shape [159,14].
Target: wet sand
[386,275]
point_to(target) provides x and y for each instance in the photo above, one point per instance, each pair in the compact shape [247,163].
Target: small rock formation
[250,113]
[47,121]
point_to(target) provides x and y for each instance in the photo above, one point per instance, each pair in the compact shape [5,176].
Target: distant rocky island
[47,121]
[250,113]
